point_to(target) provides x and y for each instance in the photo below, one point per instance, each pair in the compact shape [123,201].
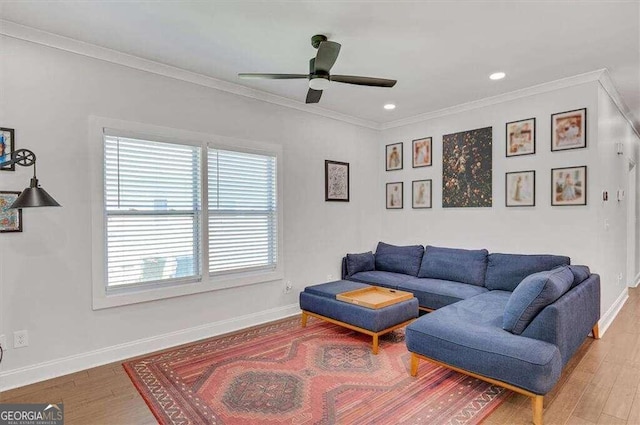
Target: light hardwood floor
[599,386]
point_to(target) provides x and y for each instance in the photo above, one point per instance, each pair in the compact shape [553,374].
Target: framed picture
[421,149]
[393,157]
[7,145]
[336,181]
[394,196]
[421,194]
[569,130]
[569,186]
[521,137]
[10,219]
[467,169]
[520,189]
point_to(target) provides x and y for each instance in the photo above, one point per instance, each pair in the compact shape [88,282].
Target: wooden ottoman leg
[537,403]
[375,344]
[415,361]
[303,321]
[596,332]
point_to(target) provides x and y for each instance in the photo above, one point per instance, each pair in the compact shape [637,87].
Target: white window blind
[242,211]
[153,208]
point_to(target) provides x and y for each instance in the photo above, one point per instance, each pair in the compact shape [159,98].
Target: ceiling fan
[319,67]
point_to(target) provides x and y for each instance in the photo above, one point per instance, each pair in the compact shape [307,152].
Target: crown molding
[501,98]
[33,35]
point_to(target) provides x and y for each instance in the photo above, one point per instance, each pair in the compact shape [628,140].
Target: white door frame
[633,275]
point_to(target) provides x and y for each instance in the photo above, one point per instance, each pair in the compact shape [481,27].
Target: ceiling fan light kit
[319,67]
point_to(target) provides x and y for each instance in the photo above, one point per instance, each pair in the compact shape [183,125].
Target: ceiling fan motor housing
[317,39]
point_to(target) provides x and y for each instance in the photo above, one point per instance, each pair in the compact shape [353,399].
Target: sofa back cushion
[399,259]
[580,274]
[459,265]
[534,293]
[506,271]
[357,263]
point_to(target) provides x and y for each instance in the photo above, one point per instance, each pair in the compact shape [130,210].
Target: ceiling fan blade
[313,96]
[327,55]
[363,81]
[273,76]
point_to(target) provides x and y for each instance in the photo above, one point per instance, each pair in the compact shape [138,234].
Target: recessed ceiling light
[389,106]
[497,75]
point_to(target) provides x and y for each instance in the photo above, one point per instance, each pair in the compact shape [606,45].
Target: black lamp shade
[34,196]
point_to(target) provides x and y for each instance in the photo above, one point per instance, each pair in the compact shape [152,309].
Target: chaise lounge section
[509,319]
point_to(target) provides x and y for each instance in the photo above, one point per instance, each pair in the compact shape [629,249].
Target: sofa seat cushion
[331,289]
[436,293]
[399,259]
[459,265]
[357,263]
[378,278]
[506,271]
[533,294]
[469,335]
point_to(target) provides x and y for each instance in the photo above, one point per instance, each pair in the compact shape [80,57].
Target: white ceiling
[441,53]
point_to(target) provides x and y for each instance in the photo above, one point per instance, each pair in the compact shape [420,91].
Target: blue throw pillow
[459,265]
[506,271]
[399,259]
[357,263]
[533,294]
[580,274]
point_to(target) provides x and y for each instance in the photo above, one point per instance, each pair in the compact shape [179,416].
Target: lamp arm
[23,157]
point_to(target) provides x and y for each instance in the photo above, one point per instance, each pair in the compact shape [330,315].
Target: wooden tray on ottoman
[374,297]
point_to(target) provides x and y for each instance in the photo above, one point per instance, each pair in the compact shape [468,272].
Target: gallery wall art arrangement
[467,166]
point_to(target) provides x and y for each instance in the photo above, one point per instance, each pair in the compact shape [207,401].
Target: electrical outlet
[20,339]
[329,277]
[287,287]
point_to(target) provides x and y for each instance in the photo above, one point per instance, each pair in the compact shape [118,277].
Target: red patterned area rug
[280,373]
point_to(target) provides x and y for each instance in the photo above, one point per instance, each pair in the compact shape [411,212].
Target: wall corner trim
[609,86]
[34,35]
[66,365]
[607,319]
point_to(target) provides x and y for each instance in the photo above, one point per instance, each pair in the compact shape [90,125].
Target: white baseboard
[63,366]
[635,281]
[607,319]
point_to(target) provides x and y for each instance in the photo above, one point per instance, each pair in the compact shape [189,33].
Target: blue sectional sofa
[513,320]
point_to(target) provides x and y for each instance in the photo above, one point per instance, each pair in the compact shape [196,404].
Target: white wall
[613,128]
[47,95]
[541,229]
[576,231]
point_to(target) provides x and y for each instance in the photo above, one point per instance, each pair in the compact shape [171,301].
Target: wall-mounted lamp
[34,195]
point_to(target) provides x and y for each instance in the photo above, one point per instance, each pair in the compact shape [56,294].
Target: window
[242,211]
[152,208]
[181,214]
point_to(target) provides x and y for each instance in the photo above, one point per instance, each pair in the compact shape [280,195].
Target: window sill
[121,297]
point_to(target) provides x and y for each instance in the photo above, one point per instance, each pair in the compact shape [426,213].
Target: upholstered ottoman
[320,301]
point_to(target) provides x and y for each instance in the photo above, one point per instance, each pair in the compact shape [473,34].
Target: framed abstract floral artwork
[336,181]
